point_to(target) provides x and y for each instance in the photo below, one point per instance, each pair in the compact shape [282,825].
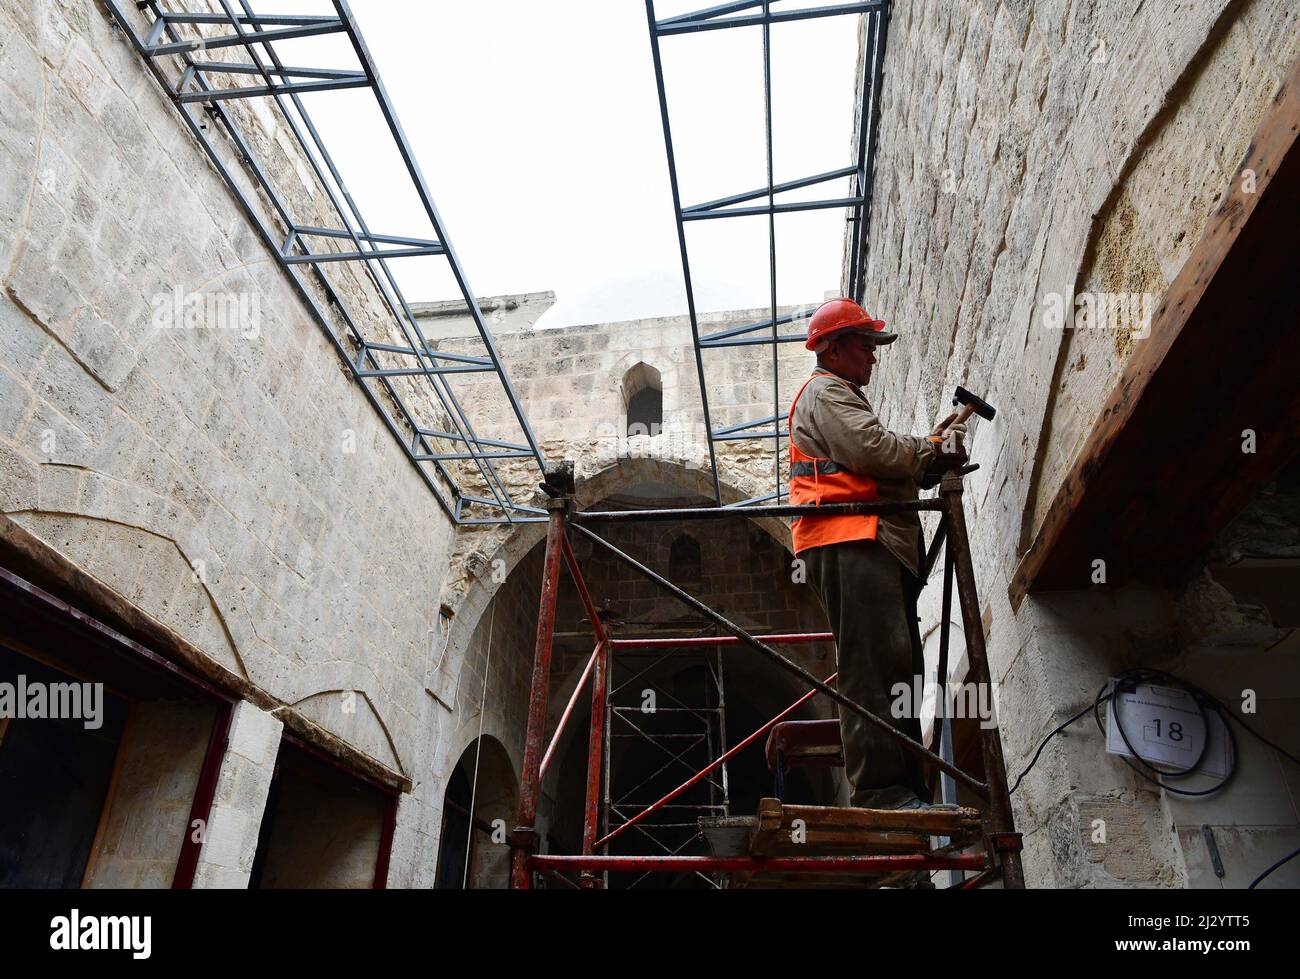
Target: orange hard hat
[844,314]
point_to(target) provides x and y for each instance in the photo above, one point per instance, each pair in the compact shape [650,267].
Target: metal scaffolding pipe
[580,583]
[999,820]
[675,864]
[753,512]
[524,838]
[789,666]
[785,638]
[595,745]
[721,760]
[568,710]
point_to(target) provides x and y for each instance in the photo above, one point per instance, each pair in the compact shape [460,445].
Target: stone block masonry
[238,807]
[146,818]
[235,487]
[231,483]
[1030,154]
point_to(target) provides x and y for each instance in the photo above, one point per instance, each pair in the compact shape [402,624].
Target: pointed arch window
[643,394]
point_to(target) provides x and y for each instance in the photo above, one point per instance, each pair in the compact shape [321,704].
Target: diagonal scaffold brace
[1002,845]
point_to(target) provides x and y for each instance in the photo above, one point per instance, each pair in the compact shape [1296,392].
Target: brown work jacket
[834,420]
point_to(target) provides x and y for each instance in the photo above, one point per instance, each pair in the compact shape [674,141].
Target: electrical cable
[478,752]
[1293,853]
[1043,745]
[1205,702]
[1130,680]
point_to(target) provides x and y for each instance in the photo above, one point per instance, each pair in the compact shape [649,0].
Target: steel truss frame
[1002,844]
[857,204]
[201,87]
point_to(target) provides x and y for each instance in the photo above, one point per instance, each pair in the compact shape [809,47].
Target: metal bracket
[1006,842]
[525,838]
[1207,833]
[558,480]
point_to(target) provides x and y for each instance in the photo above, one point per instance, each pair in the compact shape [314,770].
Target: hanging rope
[478,749]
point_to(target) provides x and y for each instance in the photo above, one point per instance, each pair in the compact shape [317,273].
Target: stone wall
[306,851]
[1042,149]
[205,474]
[1031,153]
[571,382]
[147,815]
[239,801]
[1026,150]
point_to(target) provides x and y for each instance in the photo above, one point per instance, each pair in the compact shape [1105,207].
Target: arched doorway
[477,810]
[674,709]
[741,567]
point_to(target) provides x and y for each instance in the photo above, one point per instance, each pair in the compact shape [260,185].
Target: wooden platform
[806,831]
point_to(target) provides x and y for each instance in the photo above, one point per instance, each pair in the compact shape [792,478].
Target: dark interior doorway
[477,808]
[322,827]
[54,780]
[453,845]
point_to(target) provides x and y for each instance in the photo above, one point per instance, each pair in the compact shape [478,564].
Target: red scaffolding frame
[1000,856]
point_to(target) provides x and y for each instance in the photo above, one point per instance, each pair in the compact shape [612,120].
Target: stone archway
[489,557]
[745,570]
[477,808]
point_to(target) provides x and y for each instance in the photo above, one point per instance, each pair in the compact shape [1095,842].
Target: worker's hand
[949,453]
[952,443]
[943,425]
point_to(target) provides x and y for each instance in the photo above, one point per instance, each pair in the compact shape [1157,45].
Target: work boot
[897,797]
[890,797]
[916,804]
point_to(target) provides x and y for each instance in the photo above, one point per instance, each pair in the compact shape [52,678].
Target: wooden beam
[1163,468]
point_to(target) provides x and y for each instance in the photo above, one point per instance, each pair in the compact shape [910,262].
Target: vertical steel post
[869,171]
[771,246]
[607,798]
[681,245]
[595,746]
[722,732]
[523,841]
[999,820]
[943,727]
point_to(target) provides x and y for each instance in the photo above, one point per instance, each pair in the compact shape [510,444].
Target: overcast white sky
[537,127]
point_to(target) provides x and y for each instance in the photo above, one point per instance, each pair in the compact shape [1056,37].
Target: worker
[864,568]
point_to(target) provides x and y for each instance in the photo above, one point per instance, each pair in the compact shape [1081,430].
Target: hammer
[971,405]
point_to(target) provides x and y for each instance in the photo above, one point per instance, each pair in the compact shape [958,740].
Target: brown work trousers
[870,602]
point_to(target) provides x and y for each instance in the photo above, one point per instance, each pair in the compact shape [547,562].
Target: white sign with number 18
[1165,727]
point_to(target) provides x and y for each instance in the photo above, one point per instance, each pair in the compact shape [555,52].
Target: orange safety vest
[816,480]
